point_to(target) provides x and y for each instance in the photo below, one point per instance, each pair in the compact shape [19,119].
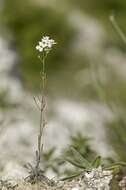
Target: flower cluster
[45,44]
[97,179]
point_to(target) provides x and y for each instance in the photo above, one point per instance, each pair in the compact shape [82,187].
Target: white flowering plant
[36,174]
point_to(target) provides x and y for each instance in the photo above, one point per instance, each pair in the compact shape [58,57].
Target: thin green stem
[118,29]
[42,109]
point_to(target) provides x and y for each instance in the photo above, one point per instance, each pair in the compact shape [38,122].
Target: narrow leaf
[75,163]
[70,177]
[80,158]
[97,162]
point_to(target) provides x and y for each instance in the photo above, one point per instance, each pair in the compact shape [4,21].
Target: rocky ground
[96,179]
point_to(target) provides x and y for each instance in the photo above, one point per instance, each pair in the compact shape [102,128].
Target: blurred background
[86,81]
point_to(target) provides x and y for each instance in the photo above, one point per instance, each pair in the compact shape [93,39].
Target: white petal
[46,37]
[37,47]
[40,49]
[44,45]
[49,45]
[40,43]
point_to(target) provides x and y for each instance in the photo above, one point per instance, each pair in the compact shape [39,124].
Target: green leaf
[70,177]
[79,158]
[97,162]
[116,167]
[116,164]
[75,163]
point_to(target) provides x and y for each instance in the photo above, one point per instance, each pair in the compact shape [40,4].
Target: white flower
[45,44]
[39,48]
